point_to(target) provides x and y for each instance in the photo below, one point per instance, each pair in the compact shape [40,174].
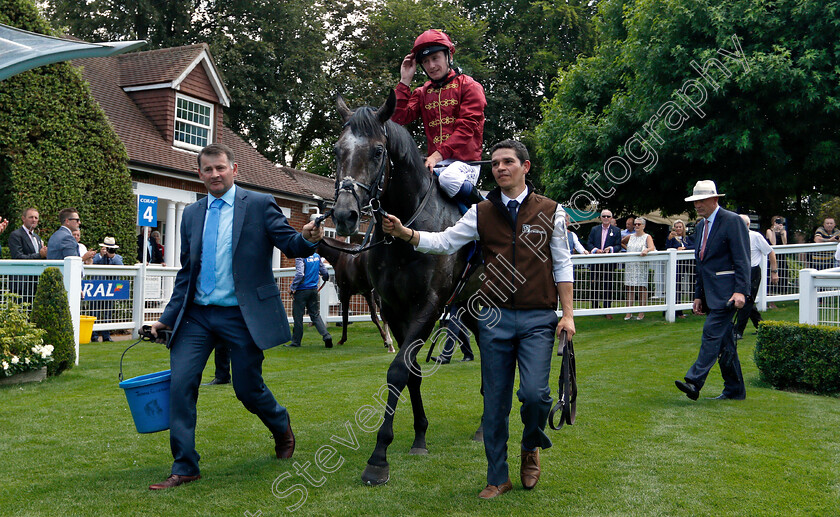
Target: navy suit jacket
[258,227]
[613,239]
[725,268]
[62,244]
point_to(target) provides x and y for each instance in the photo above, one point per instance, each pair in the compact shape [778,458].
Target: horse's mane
[401,146]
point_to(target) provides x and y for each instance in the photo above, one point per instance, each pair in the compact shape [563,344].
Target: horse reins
[567,394]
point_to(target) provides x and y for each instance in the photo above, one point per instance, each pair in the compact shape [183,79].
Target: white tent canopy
[21,50]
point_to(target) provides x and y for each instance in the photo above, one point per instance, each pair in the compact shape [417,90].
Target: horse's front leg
[421,423]
[403,371]
[377,471]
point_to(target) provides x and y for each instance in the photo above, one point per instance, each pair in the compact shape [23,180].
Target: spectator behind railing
[107,256]
[83,250]
[604,238]
[62,243]
[24,243]
[572,239]
[636,273]
[681,241]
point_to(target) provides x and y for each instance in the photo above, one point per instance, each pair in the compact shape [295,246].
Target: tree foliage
[57,148]
[284,61]
[274,57]
[768,132]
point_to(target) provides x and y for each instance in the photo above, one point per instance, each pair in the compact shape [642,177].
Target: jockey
[451,105]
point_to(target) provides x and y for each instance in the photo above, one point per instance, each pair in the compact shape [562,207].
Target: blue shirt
[307,271]
[709,222]
[224,294]
[98,259]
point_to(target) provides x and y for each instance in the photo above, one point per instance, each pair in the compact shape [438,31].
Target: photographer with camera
[107,256]
[775,235]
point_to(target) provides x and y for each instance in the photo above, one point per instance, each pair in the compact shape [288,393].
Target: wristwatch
[774,270]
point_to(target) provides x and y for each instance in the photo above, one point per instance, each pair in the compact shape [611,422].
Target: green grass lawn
[639,446]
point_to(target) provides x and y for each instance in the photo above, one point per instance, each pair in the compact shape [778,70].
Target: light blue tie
[208,248]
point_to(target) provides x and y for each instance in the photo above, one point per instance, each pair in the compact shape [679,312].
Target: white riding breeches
[453,174]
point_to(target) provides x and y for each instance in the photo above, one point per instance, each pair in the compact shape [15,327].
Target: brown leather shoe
[529,470]
[284,444]
[491,491]
[173,481]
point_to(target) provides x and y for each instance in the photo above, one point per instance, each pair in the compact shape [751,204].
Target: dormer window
[193,123]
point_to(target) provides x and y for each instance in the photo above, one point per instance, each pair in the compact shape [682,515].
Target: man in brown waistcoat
[527,266]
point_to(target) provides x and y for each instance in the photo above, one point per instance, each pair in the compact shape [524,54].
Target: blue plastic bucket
[148,399]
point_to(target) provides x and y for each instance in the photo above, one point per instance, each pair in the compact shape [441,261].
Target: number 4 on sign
[147,211]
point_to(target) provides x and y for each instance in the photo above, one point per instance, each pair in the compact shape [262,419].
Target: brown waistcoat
[518,272]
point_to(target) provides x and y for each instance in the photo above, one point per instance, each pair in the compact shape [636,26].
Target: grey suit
[259,321]
[62,244]
[724,270]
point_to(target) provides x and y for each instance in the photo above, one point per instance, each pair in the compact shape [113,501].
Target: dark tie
[208,248]
[512,206]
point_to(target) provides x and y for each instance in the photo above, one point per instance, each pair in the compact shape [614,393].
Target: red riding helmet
[432,41]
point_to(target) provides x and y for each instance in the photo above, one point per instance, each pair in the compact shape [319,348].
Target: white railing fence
[599,286]
[819,297]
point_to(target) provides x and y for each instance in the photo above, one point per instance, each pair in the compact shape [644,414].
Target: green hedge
[792,355]
[57,148]
[51,313]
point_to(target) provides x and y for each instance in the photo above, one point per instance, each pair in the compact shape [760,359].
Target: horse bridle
[374,206]
[374,189]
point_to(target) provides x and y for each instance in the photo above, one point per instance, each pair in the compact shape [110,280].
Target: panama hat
[110,242]
[704,189]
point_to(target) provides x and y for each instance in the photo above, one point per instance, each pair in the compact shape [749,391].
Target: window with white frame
[193,122]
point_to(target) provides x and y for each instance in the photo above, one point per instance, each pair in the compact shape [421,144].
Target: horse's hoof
[419,451]
[479,435]
[375,476]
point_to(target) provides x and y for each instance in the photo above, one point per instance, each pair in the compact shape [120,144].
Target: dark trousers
[748,311]
[456,332]
[602,280]
[525,337]
[221,359]
[307,299]
[718,345]
[104,312]
[200,328]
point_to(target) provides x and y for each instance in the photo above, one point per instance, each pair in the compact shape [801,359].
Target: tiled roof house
[165,105]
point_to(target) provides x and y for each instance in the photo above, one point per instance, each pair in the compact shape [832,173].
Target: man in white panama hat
[107,256]
[722,264]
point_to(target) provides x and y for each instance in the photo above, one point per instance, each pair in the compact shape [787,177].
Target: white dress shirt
[465,230]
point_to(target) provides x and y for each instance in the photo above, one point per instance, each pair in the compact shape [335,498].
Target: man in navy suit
[604,238]
[62,243]
[225,291]
[722,265]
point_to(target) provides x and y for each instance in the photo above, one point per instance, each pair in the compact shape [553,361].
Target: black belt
[567,394]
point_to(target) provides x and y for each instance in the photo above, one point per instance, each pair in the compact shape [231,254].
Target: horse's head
[362,162]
